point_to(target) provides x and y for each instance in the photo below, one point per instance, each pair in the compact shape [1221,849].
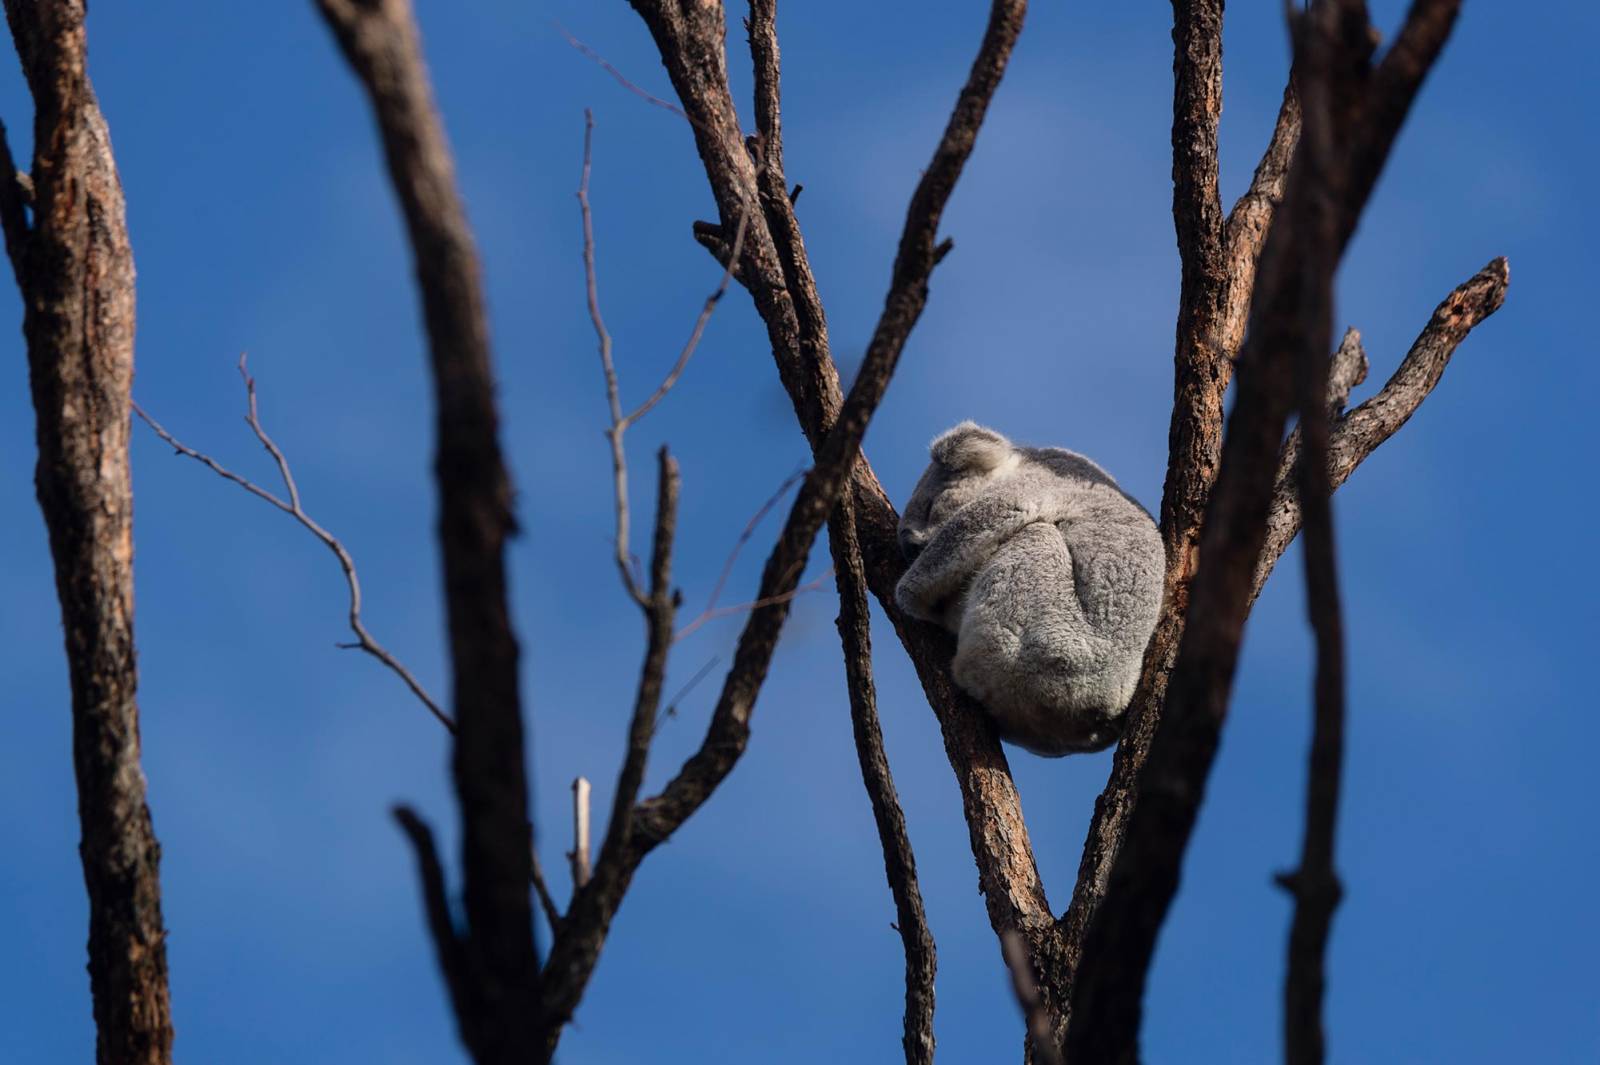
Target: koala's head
[965,460]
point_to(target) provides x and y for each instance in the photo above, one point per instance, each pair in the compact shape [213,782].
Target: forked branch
[1359,432]
[1348,103]
[380,41]
[292,507]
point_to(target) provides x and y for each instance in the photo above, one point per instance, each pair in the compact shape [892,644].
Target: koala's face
[965,461]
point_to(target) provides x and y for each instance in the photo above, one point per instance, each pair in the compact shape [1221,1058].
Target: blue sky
[261,221]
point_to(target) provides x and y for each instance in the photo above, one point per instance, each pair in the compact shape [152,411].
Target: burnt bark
[74,268]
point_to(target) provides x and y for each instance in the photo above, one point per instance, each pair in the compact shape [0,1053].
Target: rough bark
[379,39]
[74,268]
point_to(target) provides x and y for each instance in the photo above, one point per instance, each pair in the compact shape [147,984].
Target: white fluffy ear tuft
[971,448]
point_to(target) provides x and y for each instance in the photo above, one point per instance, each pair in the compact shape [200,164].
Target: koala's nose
[910,545]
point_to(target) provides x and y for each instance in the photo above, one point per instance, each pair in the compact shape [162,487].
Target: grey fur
[1050,577]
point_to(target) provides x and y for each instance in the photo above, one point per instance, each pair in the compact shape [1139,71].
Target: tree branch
[577,947]
[380,41]
[620,422]
[1041,1029]
[293,508]
[1251,217]
[1220,260]
[447,944]
[1315,885]
[1290,318]
[13,210]
[899,862]
[74,269]
[1360,432]
[690,46]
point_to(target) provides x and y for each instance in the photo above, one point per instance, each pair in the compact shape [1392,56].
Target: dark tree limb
[379,39]
[899,862]
[1315,885]
[1220,260]
[74,269]
[449,949]
[1290,319]
[14,202]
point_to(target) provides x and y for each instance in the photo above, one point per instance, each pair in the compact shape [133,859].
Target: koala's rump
[1028,652]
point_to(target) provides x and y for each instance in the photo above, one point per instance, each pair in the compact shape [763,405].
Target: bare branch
[713,613]
[619,458]
[75,272]
[1202,365]
[13,210]
[660,612]
[744,538]
[447,943]
[620,422]
[621,79]
[1290,318]
[294,509]
[547,902]
[775,270]
[1360,432]
[1315,885]
[899,862]
[699,325]
[1251,217]
[573,955]
[380,41]
[1041,1034]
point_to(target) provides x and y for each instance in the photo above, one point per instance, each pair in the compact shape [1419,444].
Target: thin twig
[749,531]
[604,64]
[436,908]
[619,459]
[711,614]
[699,329]
[547,902]
[294,509]
[620,423]
[689,685]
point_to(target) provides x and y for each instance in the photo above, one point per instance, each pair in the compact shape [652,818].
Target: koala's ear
[969,447]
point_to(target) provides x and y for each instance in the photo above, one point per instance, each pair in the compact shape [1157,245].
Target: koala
[1048,574]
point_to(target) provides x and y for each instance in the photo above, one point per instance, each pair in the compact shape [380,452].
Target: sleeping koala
[1050,577]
